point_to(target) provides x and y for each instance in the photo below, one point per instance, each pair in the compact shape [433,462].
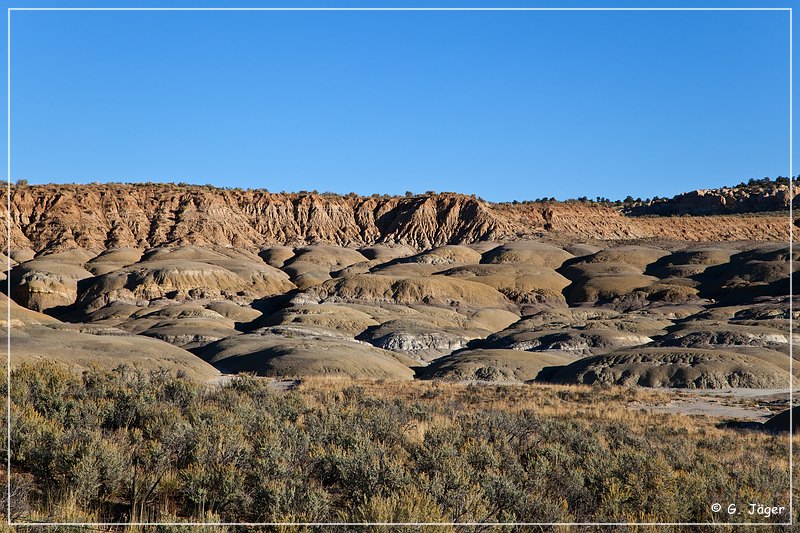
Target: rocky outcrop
[758,197]
[100,217]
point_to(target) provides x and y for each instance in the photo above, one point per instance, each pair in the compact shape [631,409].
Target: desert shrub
[410,506]
[126,445]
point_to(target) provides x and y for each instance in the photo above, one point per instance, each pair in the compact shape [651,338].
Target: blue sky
[506,105]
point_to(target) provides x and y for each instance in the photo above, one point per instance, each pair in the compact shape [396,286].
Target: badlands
[206,281]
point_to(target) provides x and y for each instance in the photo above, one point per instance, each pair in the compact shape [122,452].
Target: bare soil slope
[445,287]
[99,217]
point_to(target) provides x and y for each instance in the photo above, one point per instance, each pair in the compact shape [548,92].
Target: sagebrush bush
[126,445]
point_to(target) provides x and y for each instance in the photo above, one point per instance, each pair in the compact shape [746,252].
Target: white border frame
[421,524]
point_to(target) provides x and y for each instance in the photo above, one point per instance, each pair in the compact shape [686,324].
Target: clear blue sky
[506,105]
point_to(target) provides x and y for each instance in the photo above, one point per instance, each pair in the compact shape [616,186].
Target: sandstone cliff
[98,217]
[759,196]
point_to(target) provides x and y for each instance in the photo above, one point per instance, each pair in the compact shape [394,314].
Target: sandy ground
[733,404]
[754,405]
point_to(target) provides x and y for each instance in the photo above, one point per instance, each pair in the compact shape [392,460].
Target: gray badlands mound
[187,273]
[418,338]
[499,311]
[274,355]
[113,259]
[690,262]
[521,283]
[445,255]
[582,250]
[20,255]
[236,312]
[332,317]
[37,337]
[277,256]
[311,265]
[611,274]
[326,257]
[527,252]
[586,335]
[704,333]
[187,325]
[382,253]
[638,256]
[46,283]
[407,270]
[783,422]
[671,367]
[421,332]
[434,290]
[761,271]
[493,365]
[458,288]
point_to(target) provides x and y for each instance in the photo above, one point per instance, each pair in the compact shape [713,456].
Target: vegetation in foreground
[132,446]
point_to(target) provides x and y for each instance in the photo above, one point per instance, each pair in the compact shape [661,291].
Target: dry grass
[118,445]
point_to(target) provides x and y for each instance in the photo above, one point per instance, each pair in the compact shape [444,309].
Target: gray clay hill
[690,292]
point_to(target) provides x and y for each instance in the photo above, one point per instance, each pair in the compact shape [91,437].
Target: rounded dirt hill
[493,365]
[274,355]
[37,337]
[666,367]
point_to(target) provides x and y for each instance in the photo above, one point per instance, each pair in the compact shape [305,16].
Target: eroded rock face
[744,199]
[144,216]
[42,284]
[98,217]
[457,288]
[187,273]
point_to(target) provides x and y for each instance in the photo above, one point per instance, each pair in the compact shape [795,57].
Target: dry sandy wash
[438,286]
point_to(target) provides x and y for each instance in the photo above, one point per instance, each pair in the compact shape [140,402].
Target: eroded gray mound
[654,314]
[36,337]
[493,365]
[295,354]
[669,367]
